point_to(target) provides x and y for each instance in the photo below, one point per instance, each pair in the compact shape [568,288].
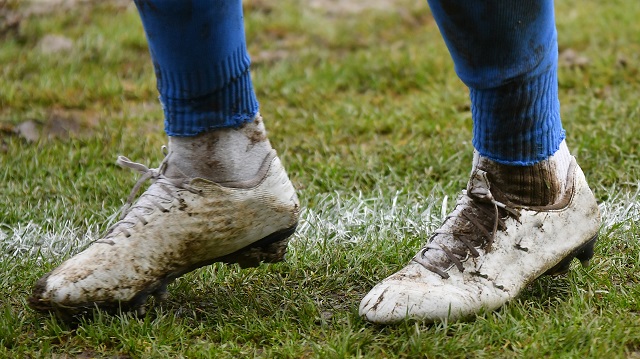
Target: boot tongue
[479,186]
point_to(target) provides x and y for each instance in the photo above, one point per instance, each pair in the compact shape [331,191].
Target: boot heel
[271,249]
[584,254]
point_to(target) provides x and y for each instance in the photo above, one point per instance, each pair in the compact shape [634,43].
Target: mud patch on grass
[10,18]
[57,124]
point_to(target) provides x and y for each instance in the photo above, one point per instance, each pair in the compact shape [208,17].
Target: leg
[221,193]
[202,70]
[527,209]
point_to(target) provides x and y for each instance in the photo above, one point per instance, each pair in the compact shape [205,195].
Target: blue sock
[202,67]
[506,52]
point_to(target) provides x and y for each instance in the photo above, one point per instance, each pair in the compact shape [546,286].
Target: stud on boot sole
[583,253]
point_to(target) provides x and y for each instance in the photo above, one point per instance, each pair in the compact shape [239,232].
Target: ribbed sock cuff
[195,102]
[518,123]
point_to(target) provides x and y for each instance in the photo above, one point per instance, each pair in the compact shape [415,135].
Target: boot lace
[472,225]
[165,191]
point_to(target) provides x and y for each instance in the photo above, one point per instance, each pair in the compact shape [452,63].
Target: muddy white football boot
[491,246]
[178,224]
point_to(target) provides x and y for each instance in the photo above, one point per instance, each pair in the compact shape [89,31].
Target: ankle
[222,155]
[537,185]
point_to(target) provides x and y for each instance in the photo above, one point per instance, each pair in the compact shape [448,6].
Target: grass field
[364,107]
